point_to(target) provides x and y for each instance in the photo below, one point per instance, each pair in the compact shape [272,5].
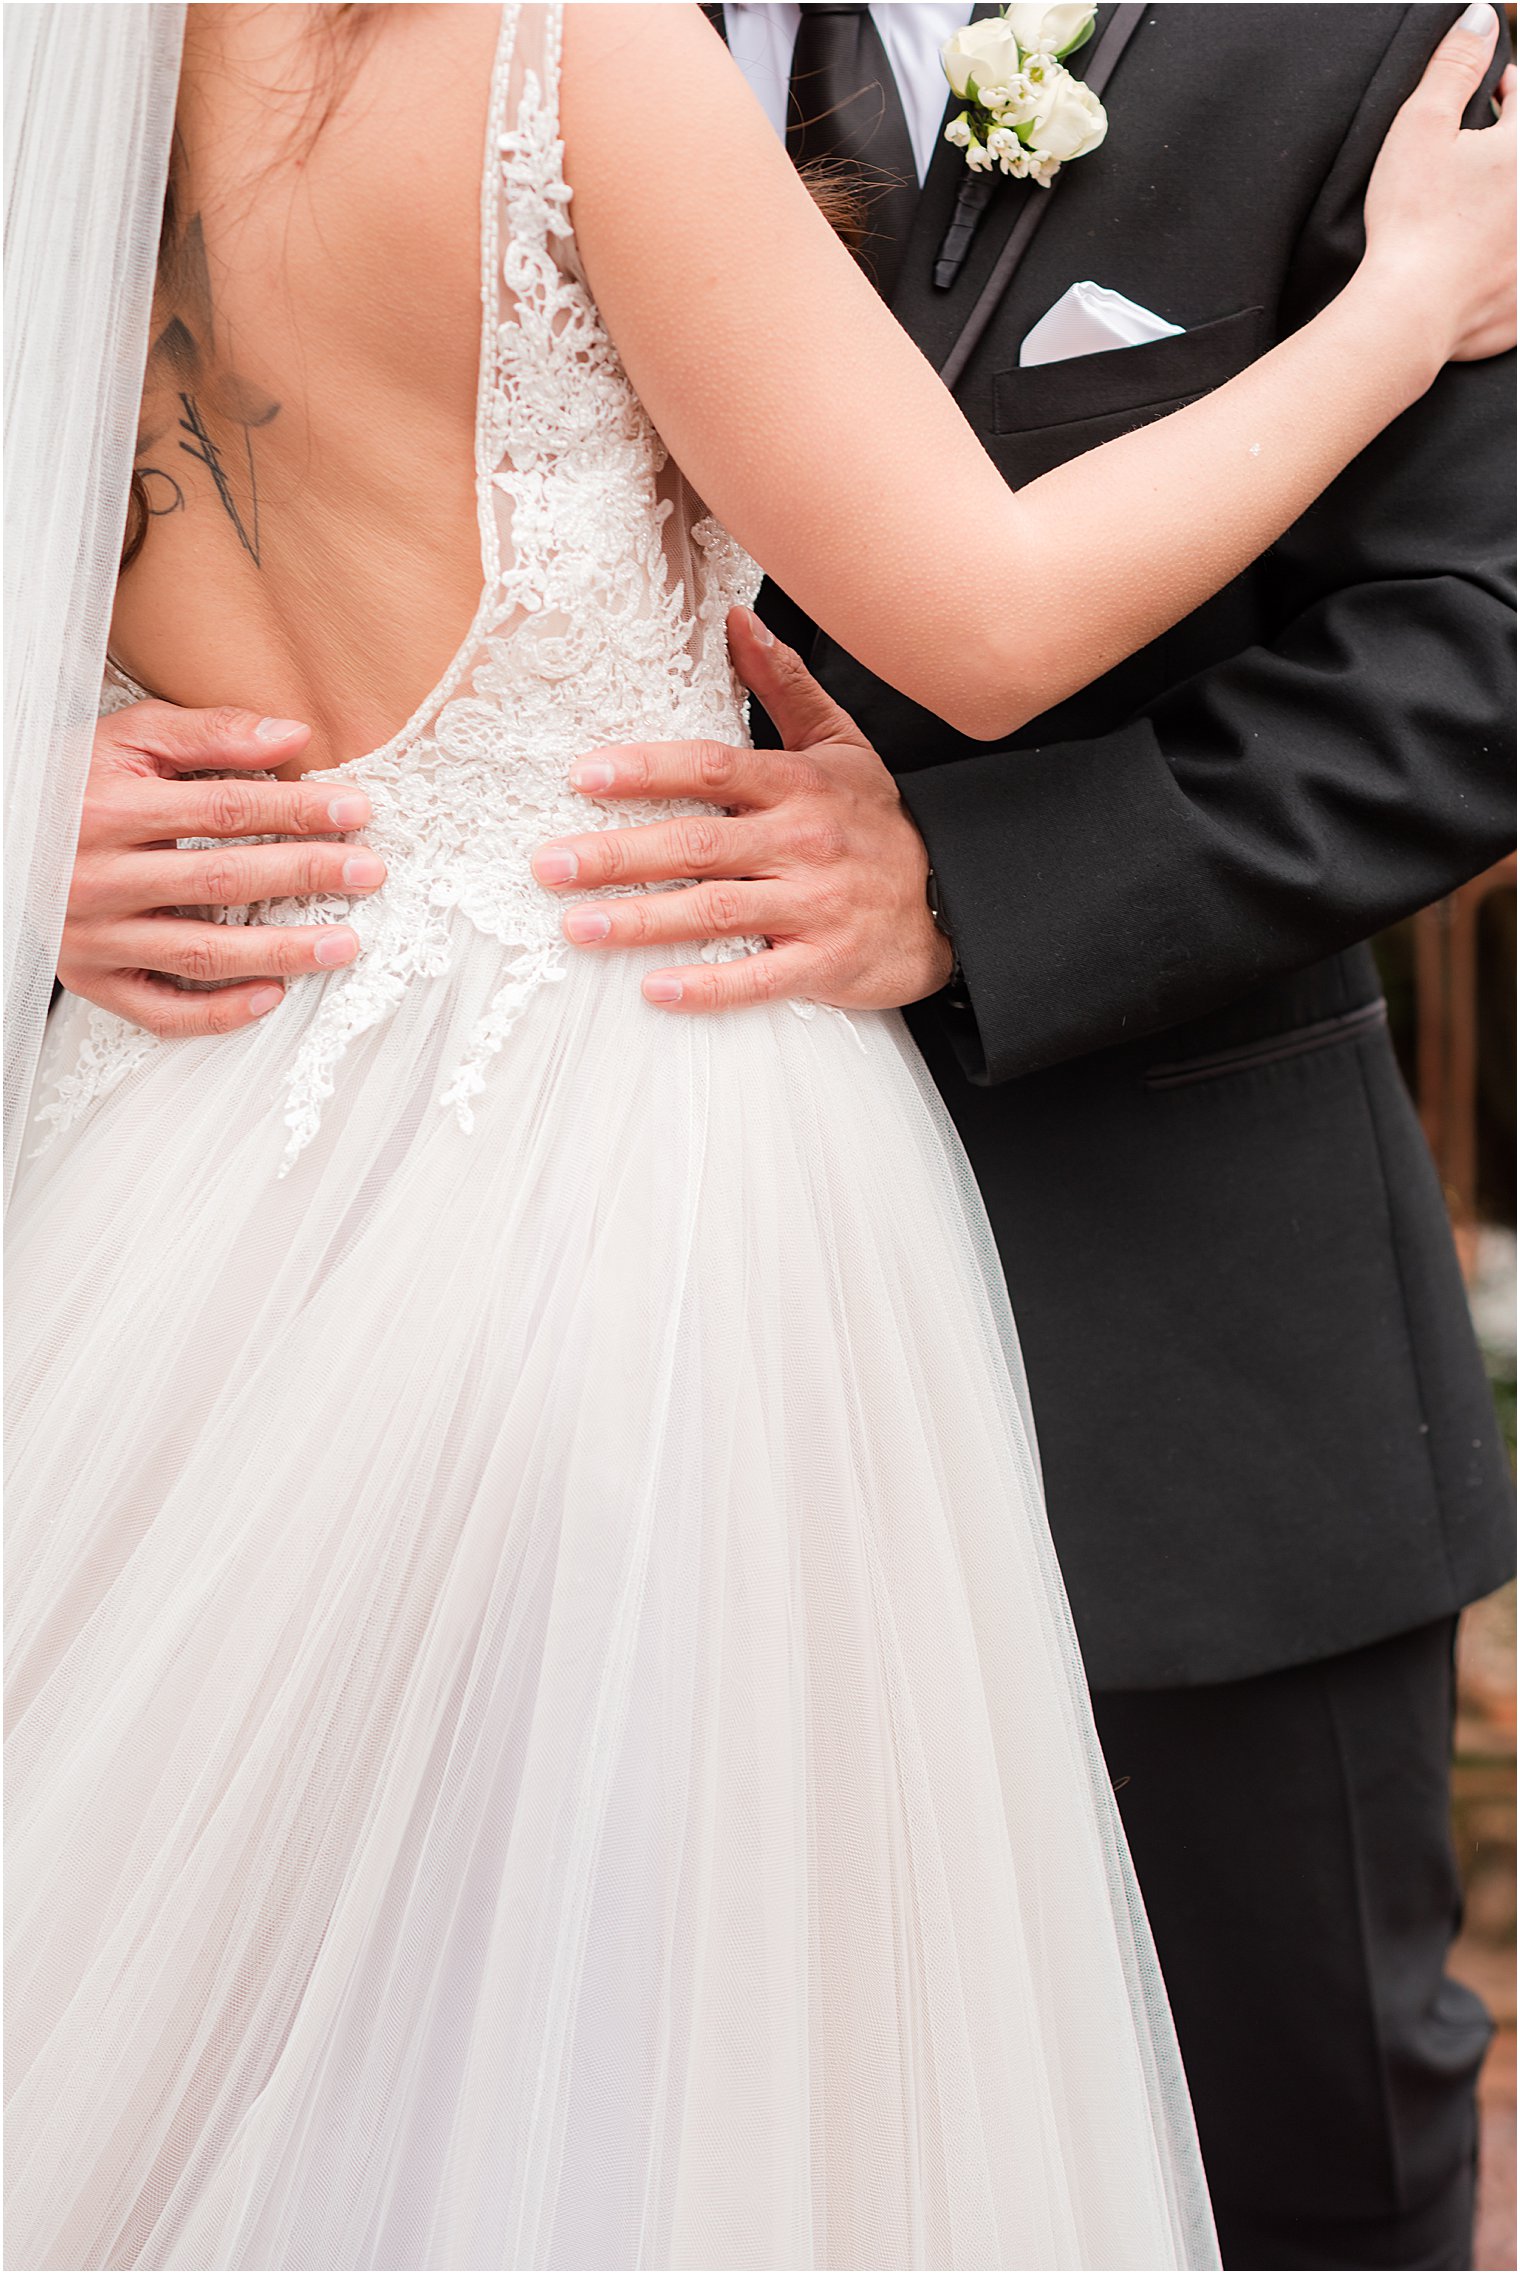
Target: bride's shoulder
[686,121]
[645,51]
[633,29]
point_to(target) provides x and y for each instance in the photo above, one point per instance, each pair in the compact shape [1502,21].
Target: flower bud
[980,55]
[1049,31]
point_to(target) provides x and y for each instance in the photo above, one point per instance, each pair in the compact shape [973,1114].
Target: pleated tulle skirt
[544,1727]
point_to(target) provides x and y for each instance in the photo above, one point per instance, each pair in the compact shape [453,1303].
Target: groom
[1269,1448]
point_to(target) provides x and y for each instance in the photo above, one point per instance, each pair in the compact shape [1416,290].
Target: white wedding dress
[544,1725]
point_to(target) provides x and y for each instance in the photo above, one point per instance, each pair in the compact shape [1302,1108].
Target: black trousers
[1292,1838]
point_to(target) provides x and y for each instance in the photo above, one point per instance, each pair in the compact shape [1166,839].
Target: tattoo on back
[197,398]
[205,449]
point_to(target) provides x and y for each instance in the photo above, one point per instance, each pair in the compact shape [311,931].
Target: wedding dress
[544,1725]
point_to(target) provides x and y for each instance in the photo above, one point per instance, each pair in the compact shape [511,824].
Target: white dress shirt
[762,34]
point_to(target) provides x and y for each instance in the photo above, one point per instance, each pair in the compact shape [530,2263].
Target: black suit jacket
[1265,1426]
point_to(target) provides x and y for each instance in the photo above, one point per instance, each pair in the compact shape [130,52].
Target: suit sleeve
[1298,796]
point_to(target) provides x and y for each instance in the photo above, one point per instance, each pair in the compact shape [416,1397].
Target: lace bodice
[600,620]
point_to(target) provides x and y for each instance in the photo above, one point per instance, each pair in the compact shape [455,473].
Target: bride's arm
[820,436]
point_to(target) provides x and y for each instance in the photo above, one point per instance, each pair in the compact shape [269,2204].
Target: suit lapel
[952,345]
[921,310]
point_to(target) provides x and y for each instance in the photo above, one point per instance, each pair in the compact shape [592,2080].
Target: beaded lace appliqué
[581,638]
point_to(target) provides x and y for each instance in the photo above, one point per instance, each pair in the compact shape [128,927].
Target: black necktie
[844,111]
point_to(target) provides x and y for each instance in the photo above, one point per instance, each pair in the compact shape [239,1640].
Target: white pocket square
[1088,319]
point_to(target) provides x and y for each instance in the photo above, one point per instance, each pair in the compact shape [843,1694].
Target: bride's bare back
[306,444]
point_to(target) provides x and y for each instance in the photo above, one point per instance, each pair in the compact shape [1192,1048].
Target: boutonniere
[1025,113]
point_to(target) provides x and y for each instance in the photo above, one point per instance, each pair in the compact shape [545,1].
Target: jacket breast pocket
[1055,411]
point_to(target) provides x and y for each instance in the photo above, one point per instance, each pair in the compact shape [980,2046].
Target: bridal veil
[89,112]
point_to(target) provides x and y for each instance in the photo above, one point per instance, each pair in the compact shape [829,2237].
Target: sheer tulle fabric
[548,1733]
[89,105]
[544,1725]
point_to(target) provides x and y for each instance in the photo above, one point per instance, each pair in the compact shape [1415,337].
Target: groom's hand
[125,940]
[809,847]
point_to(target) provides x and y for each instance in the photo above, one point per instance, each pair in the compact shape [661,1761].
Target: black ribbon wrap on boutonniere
[977,187]
[972,201]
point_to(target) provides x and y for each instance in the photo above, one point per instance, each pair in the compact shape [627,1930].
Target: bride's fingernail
[555,866]
[338,946]
[593,774]
[265,999]
[276,730]
[1477,19]
[662,987]
[762,632]
[586,925]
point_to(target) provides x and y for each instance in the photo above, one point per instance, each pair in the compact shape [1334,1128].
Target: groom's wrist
[954,988]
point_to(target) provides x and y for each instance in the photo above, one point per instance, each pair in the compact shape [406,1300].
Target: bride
[544,1728]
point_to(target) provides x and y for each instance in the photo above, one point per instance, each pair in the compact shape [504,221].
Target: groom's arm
[1295,798]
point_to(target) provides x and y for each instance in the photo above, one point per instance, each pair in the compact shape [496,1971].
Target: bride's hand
[1441,202]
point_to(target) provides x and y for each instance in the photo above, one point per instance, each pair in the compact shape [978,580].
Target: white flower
[1053,31]
[1009,152]
[962,132]
[1069,122]
[1020,100]
[1026,114]
[982,55]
